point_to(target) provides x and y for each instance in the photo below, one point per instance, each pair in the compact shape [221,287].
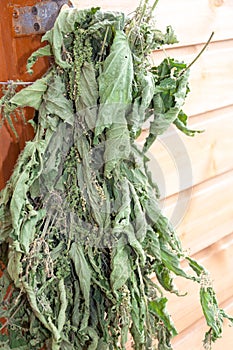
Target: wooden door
[13,58]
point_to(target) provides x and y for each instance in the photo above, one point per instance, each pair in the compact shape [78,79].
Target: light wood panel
[209,212]
[218,260]
[193,20]
[126,6]
[211,77]
[179,162]
[192,337]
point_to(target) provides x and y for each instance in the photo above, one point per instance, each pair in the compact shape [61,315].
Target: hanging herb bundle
[81,229]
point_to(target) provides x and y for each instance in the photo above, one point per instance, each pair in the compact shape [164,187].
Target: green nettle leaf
[210,309]
[32,95]
[28,230]
[181,123]
[158,307]
[115,81]
[170,37]
[87,101]
[120,266]
[196,267]
[41,52]
[14,266]
[172,261]
[168,100]
[84,276]
[55,103]
[81,230]
[115,91]
[141,103]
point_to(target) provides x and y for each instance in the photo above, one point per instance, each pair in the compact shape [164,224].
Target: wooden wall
[205,219]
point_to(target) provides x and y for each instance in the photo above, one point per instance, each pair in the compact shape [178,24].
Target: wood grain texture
[209,212]
[126,6]
[193,20]
[179,162]
[192,337]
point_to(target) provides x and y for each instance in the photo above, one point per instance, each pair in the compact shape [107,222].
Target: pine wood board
[192,337]
[178,162]
[203,216]
[193,20]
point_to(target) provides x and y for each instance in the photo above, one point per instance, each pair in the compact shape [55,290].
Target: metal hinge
[36,19]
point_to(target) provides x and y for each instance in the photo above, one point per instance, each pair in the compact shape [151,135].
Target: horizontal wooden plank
[218,260]
[178,161]
[204,215]
[211,77]
[126,6]
[192,20]
[192,337]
